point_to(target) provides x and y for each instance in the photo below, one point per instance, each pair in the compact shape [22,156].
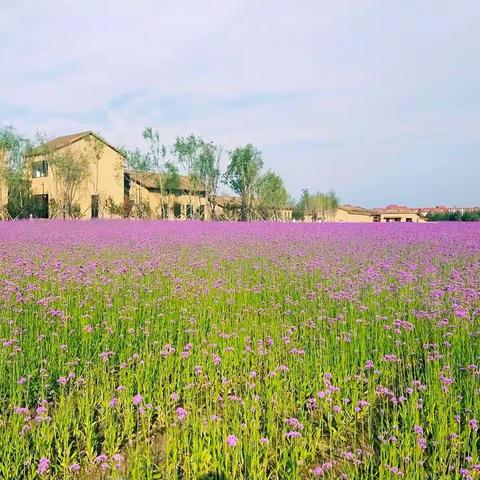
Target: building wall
[345,216]
[105,179]
[402,217]
[138,194]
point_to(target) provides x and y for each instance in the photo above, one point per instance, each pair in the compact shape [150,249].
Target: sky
[376,99]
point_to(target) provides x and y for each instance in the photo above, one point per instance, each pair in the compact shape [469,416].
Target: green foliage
[243,175]
[188,151]
[207,172]
[321,206]
[13,174]
[456,216]
[71,169]
[272,195]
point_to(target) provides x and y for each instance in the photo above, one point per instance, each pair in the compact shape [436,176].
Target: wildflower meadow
[190,350]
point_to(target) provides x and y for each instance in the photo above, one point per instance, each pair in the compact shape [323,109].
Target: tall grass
[162,350]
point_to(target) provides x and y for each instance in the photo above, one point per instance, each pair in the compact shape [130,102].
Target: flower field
[183,350]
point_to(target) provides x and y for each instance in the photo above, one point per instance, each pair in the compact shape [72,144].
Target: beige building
[111,191]
[356,214]
[107,190]
[146,192]
[104,183]
[398,213]
[352,213]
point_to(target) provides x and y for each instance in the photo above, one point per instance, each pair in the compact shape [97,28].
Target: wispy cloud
[378,99]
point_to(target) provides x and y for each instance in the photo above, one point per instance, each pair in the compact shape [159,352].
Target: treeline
[262,193]
[456,216]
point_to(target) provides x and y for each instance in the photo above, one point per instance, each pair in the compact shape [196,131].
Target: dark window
[201,212]
[95,206]
[177,210]
[40,206]
[189,211]
[164,210]
[40,169]
[409,220]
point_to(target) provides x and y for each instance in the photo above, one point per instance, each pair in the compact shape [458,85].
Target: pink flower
[181,414]
[368,364]
[137,399]
[74,467]
[264,441]
[473,424]
[113,402]
[232,440]
[43,466]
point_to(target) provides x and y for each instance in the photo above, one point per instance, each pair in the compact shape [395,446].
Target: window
[177,210]
[40,169]
[94,203]
[165,210]
[409,219]
[40,206]
[201,212]
[190,211]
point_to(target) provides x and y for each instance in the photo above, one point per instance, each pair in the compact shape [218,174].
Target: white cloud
[345,83]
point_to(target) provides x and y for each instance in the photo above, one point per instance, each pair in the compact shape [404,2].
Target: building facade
[55,189]
[110,191]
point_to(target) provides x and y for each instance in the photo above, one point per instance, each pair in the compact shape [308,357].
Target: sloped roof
[67,140]
[224,200]
[393,209]
[355,210]
[151,180]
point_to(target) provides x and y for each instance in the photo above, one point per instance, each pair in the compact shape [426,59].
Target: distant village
[100,184]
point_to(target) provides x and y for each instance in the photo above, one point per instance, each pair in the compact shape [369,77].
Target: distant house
[105,181]
[152,192]
[398,213]
[353,213]
[108,190]
[356,214]
[111,191]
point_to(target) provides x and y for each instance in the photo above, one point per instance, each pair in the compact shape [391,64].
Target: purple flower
[43,466]
[232,440]
[137,399]
[74,467]
[181,414]
[473,424]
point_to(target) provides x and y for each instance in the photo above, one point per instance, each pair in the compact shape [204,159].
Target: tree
[272,195]
[242,176]
[135,160]
[167,179]
[321,206]
[16,199]
[188,151]
[71,170]
[302,207]
[207,172]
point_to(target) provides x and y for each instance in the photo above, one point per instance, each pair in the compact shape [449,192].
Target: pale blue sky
[378,99]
